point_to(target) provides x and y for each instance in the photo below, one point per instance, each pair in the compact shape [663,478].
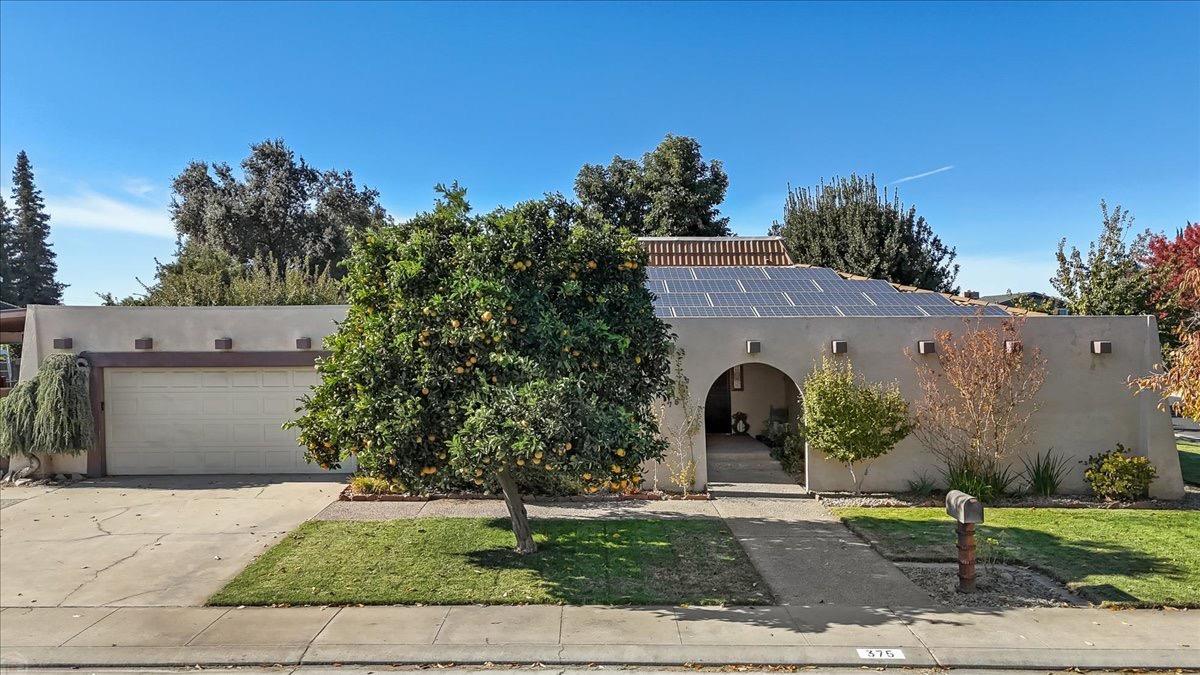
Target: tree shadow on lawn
[1070,562]
[606,561]
[700,576]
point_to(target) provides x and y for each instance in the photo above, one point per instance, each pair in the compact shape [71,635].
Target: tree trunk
[516,511]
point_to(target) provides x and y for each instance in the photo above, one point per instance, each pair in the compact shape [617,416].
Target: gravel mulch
[1190,501]
[996,586]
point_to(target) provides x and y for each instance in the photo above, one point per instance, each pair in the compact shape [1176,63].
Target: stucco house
[205,389]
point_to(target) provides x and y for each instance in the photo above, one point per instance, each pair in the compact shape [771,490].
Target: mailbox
[963,508]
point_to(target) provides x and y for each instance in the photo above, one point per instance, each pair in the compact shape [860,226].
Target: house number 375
[877,654]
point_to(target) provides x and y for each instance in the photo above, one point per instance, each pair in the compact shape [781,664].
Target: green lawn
[471,560]
[1189,461]
[1130,556]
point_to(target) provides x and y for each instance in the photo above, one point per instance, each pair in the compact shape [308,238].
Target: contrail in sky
[922,175]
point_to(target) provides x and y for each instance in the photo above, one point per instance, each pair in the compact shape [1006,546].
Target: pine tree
[852,226]
[34,260]
[8,253]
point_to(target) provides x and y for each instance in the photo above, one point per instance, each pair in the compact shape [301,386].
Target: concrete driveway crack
[96,574]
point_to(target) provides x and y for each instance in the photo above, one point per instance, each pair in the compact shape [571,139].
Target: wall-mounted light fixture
[63,343]
[926,347]
[839,346]
[223,343]
[303,343]
[1101,347]
[1012,346]
[753,346]
[143,343]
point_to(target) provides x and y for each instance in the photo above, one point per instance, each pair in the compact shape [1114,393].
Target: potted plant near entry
[740,424]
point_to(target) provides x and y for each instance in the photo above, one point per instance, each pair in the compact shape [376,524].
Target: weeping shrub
[63,423]
[16,419]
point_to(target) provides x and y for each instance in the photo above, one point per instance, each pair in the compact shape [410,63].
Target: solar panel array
[754,292]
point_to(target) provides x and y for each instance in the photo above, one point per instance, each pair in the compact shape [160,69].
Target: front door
[717,408]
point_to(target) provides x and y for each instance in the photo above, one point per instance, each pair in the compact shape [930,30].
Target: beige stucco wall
[1087,406]
[174,329]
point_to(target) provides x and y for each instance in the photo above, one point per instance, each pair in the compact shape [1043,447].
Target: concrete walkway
[740,466]
[556,635]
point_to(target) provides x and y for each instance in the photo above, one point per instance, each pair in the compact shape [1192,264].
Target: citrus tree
[490,351]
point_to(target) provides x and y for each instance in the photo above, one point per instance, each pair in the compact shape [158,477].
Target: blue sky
[1017,118]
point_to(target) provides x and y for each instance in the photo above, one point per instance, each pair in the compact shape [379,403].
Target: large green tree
[34,265]
[279,207]
[672,191]
[1111,278]
[850,225]
[8,256]
[204,275]
[488,350]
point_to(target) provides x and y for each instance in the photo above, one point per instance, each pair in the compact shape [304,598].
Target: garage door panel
[245,379]
[215,380]
[277,379]
[306,378]
[204,420]
[118,405]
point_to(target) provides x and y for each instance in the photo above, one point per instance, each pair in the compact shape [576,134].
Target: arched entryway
[751,416]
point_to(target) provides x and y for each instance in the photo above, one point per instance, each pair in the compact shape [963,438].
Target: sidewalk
[556,635]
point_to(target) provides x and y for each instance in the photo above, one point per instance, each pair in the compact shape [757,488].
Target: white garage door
[203,420]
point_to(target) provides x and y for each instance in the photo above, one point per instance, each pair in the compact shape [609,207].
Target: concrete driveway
[145,541]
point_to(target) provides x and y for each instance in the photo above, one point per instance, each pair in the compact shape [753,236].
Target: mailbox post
[966,512]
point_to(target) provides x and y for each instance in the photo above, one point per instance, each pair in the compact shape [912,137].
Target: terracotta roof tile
[712,251]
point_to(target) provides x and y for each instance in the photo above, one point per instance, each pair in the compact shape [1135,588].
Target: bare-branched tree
[980,396]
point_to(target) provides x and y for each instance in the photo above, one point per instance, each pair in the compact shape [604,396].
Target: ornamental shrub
[1118,476]
[987,483]
[51,414]
[851,420]
[63,423]
[491,351]
[17,411]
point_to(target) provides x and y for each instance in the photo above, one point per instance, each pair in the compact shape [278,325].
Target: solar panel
[809,310]
[780,285]
[910,299]
[857,285]
[705,286]
[669,273]
[729,273]
[751,292]
[748,299]
[729,312]
[818,273]
[829,298]
[683,300]
[880,311]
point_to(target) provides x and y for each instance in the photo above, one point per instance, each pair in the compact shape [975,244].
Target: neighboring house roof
[764,292]
[715,251]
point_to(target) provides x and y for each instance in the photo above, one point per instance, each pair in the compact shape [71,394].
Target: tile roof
[715,251]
